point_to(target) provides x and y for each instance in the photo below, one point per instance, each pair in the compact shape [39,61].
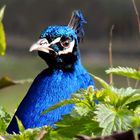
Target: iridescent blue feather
[77,21]
[63,77]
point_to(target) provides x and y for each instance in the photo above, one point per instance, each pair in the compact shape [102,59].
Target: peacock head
[57,45]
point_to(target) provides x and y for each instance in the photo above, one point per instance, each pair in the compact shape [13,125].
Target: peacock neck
[67,68]
[68,64]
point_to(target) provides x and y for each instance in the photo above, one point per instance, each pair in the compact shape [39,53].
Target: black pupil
[66,43]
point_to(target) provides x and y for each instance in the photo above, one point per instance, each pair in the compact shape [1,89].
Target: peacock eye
[65,42]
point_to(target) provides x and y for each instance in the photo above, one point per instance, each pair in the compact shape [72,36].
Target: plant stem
[128,82]
[137,14]
[110,55]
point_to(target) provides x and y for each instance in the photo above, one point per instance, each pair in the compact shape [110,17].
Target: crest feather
[76,23]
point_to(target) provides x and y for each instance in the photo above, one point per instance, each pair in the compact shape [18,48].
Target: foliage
[4,120]
[2,33]
[29,134]
[125,71]
[97,112]
[115,110]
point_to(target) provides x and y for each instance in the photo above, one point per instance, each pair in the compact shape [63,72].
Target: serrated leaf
[28,134]
[7,81]
[135,96]
[112,120]
[125,71]
[80,111]
[123,96]
[70,127]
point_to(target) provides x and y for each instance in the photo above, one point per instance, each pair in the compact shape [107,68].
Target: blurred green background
[24,20]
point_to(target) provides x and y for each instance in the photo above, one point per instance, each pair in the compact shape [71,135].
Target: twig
[138,21]
[110,54]
[137,82]
[128,82]
[137,14]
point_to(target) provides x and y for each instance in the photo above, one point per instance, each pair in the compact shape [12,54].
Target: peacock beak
[43,45]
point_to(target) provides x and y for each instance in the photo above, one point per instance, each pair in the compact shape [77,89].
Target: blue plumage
[64,76]
[56,31]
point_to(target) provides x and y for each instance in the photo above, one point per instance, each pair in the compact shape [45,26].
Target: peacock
[65,74]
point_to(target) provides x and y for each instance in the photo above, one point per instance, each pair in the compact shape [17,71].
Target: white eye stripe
[45,41]
[55,41]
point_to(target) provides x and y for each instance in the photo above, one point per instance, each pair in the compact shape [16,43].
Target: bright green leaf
[112,120]
[123,96]
[125,71]
[134,97]
[60,104]
[2,40]
[101,81]
[2,33]
[20,125]
[80,111]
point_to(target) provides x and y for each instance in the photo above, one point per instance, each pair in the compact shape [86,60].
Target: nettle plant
[97,112]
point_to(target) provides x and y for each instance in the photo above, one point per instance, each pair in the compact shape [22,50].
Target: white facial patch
[69,49]
[44,46]
[55,41]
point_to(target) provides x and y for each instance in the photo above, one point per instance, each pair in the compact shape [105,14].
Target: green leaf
[2,33]
[118,97]
[20,125]
[80,111]
[136,119]
[112,120]
[2,40]
[101,81]
[134,97]
[4,120]
[124,96]
[6,82]
[62,103]
[125,71]
[2,12]
[29,134]
[53,135]
[70,126]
